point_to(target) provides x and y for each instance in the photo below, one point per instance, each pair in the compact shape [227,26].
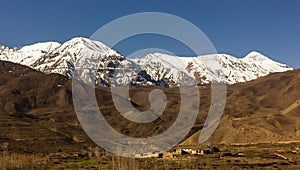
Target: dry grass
[22,161]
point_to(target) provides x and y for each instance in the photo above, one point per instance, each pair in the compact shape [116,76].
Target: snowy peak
[171,69]
[96,46]
[43,46]
[264,63]
[78,53]
[171,61]
[255,56]
[83,55]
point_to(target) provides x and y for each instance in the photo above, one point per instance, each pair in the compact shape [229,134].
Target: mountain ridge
[113,69]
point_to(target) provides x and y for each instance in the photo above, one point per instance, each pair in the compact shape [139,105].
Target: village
[178,151]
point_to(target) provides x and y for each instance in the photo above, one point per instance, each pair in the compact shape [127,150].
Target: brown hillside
[260,111]
[37,114]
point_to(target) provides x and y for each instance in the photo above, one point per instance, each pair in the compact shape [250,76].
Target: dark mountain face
[37,114]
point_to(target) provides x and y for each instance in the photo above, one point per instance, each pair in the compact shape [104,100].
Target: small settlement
[177,151]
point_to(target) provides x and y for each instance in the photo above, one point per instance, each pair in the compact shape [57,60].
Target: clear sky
[236,27]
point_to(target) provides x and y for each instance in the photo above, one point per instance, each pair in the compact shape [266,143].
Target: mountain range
[95,62]
[37,113]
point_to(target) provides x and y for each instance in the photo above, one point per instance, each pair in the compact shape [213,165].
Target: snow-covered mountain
[28,54]
[92,60]
[97,63]
[215,67]
[264,63]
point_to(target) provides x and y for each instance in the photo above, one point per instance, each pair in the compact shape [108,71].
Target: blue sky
[235,27]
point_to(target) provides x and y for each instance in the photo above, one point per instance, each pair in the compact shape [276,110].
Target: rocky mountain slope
[92,61]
